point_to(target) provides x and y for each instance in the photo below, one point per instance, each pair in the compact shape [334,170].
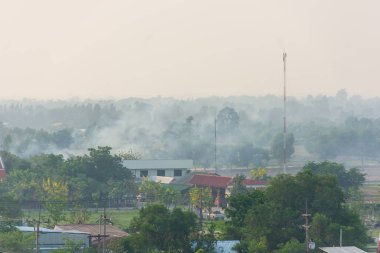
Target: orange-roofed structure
[221,186]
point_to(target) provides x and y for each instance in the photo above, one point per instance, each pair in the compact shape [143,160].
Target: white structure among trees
[160,168]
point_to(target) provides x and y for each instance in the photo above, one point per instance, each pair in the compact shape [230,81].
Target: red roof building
[256,184]
[2,170]
[205,180]
[221,186]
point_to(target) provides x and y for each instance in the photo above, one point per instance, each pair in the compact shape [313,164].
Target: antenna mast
[306,215]
[284,141]
[216,167]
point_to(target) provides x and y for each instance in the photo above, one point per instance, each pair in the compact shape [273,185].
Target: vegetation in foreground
[263,221]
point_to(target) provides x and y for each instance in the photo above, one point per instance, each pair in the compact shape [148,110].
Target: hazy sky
[187,48]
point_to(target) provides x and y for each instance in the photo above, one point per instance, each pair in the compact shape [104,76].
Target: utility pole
[216,167]
[100,232]
[306,215]
[104,230]
[284,141]
[201,210]
[38,229]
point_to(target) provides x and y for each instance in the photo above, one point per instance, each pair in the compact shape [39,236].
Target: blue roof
[226,246]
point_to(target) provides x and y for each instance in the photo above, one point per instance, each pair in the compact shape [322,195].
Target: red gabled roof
[251,182]
[221,182]
[2,169]
[210,180]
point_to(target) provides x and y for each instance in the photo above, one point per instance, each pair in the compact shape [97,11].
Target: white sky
[187,48]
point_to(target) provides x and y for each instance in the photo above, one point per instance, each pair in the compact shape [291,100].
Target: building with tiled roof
[208,180]
[94,230]
[2,169]
[221,185]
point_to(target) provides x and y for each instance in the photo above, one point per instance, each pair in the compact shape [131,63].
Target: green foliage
[158,228]
[9,207]
[237,185]
[72,246]
[206,240]
[22,185]
[150,190]
[54,195]
[97,173]
[238,207]
[268,220]
[155,192]
[292,246]
[201,198]
[16,242]
[12,161]
[352,178]
[259,173]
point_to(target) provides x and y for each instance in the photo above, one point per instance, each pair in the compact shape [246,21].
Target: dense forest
[246,131]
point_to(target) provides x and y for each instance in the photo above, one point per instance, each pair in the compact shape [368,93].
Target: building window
[143,173]
[161,173]
[178,173]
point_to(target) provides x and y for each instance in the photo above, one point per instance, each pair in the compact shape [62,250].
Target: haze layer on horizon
[128,48]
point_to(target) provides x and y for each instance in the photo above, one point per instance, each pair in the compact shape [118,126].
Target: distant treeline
[244,131]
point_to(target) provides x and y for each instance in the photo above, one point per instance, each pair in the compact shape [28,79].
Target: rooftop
[158,164]
[210,180]
[47,230]
[213,180]
[93,229]
[350,249]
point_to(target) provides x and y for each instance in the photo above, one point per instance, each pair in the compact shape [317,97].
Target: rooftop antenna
[284,141]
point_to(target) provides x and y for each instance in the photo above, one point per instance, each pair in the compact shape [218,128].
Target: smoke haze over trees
[247,128]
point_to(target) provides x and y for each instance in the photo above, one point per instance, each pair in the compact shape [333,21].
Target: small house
[50,240]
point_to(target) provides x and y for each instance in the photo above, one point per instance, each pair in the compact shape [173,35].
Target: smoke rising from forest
[248,129]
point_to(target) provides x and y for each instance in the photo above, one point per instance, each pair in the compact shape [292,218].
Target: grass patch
[120,218]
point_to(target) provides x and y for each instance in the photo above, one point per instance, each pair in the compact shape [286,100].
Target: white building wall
[152,166]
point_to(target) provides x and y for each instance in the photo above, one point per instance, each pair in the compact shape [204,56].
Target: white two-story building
[158,168]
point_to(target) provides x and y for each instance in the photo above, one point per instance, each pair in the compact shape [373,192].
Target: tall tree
[158,228]
[276,218]
[277,147]
[227,121]
[237,185]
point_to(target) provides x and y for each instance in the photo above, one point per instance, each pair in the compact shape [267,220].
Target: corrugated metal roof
[93,229]
[225,246]
[47,230]
[158,164]
[349,249]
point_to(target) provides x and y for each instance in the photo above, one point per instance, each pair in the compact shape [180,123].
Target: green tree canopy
[158,228]
[274,216]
